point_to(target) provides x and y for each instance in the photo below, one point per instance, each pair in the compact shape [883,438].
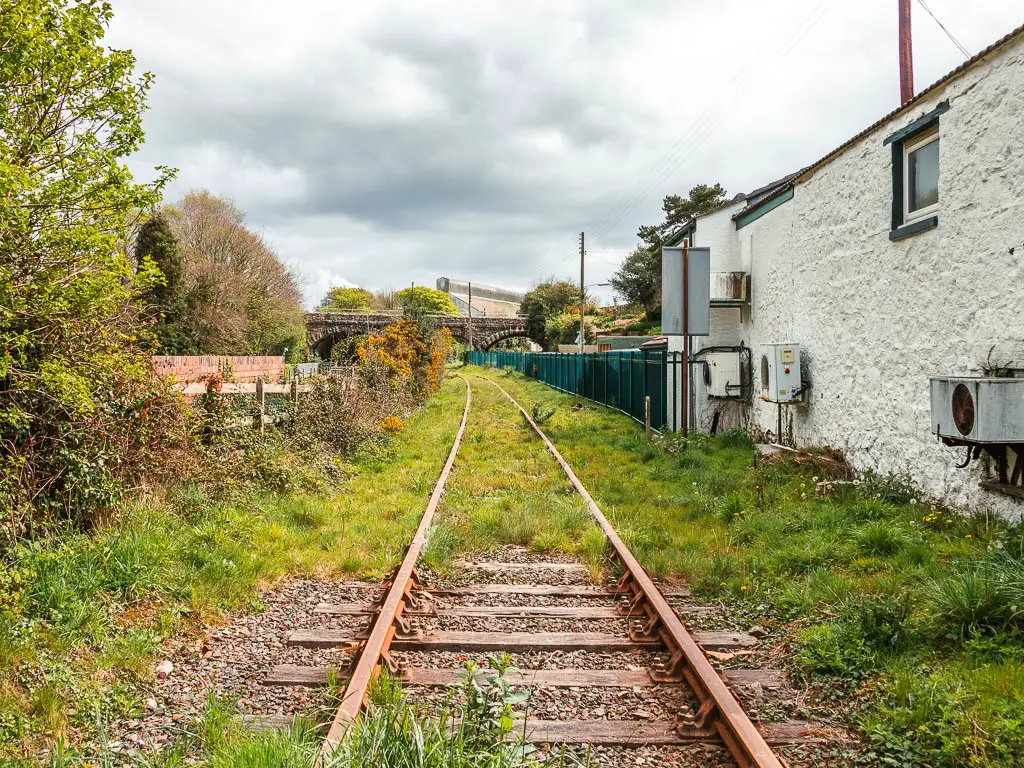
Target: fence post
[647,416]
[257,422]
[295,391]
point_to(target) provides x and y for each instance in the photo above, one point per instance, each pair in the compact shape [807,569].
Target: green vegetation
[73,379]
[551,309]
[908,617]
[82,615]
[565,329]
[420,300]
[344,299]
[476,728]
[505,489]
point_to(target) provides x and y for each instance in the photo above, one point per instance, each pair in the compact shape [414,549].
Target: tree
[565,329]
[679,210]
[168,297]
[420,300]
[344,299]
[75,388]
[638,280]
[550,298]
[244,299]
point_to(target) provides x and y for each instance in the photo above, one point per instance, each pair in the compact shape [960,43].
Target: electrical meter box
[724,375]
[780,373]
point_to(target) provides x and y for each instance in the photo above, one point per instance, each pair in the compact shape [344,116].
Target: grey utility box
[977,409]
[780,373]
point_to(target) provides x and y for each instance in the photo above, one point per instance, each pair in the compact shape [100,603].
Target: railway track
[624,643]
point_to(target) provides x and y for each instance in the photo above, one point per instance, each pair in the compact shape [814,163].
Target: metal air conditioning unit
[780,373]
[723,374]
[978,410]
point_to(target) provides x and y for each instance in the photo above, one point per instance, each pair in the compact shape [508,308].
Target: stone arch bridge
[324,328]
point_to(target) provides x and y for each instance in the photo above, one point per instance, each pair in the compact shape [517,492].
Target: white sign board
[672,291]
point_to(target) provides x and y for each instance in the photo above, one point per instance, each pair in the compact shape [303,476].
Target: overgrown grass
[83,619]
[909,616]
[506,489]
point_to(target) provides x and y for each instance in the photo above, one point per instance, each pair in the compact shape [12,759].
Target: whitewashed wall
[876,318]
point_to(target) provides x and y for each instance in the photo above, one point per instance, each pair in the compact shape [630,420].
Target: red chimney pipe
[906,54]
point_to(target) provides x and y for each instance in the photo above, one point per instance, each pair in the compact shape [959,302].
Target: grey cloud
[420,141]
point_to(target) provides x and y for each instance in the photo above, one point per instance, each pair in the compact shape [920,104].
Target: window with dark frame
[915,175]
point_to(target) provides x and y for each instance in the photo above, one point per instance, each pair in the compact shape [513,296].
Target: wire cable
[964,51]
[702,128]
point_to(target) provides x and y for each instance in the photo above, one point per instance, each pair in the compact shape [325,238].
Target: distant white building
[488,301]
[897,256]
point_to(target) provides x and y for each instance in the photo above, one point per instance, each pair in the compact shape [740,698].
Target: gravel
[231,661]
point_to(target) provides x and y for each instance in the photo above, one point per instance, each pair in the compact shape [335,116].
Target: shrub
[77,405]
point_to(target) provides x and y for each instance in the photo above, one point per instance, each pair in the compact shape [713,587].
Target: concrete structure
[323,328]
[879,299]
[488,301]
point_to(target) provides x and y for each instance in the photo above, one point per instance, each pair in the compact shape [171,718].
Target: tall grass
[80,632]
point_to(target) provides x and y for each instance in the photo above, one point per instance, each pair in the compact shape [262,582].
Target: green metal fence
[622,380]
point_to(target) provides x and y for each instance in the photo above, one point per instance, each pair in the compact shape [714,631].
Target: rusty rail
[719,712]
[390,617]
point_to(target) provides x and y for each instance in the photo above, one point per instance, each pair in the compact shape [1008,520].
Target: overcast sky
[386,142]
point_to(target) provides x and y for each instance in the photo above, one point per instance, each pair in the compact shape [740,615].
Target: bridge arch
[324,329]
[485,343]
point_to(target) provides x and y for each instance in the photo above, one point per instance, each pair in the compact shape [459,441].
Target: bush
[75,420]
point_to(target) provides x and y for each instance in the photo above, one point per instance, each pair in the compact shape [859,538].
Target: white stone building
[898,256]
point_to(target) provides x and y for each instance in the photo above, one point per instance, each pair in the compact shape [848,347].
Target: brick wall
[188,368]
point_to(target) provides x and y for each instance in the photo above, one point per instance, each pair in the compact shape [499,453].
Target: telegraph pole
[583,291]
[470,316]
[906,54]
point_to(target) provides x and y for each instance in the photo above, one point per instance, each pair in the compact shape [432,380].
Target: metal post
[583,292]
[906,54]
[470,316]
[685,399]
[647,416]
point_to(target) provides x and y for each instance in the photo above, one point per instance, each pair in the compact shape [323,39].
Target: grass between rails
[506,489]
[908,617]
[80,631]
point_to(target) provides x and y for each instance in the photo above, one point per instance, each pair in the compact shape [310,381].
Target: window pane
[923,170]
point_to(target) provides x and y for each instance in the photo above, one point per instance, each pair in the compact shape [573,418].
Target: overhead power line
[964,51]
[703,127]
